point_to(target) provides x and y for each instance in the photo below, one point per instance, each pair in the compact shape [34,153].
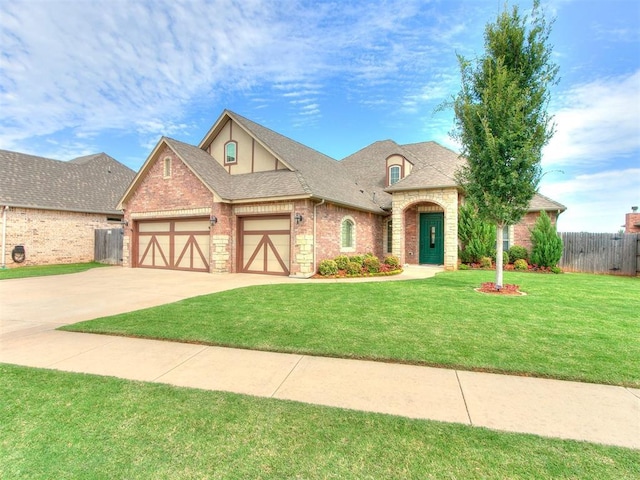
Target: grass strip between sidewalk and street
[571,326]
[75,426]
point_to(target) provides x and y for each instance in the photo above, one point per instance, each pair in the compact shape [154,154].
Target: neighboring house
[51,208]
[248,199]
[632,221]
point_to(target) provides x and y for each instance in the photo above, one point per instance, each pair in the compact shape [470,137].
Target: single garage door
[265,244]
[174,244]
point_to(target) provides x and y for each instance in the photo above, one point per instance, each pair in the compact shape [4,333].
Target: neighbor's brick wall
[631,219]
[52,237]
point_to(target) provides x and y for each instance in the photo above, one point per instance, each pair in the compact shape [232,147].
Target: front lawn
[73,426]
[571,326]
[44,270]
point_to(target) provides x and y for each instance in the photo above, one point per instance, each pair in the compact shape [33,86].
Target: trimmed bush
[328,267]
[521,264]
[517,252]
[485,262]
[342,262]
[547,244]
[354,268]
[357,259]
[371,264]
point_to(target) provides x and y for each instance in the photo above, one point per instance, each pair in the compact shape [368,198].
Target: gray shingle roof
[434,166]
[357,181]
[320,175]
[92,184]
[237,187]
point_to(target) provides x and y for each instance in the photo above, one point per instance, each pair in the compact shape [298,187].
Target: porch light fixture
[298,218]
[213,220]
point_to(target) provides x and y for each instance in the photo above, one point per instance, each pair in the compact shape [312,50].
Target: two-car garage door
[173,244]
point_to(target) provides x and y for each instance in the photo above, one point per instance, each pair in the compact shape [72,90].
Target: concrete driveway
[45,303]
[28,305]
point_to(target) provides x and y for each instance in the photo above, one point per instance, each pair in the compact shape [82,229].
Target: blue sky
[86,76]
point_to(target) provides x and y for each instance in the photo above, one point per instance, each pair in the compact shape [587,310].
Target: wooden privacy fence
[617,254]
[107,247]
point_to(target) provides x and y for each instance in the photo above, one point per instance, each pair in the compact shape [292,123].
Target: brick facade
[522,230]
[52,237]
[368,232]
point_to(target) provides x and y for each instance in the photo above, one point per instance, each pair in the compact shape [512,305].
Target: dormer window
[230,151]
[394,174]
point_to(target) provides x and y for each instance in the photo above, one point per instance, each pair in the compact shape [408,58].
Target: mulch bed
[507,289]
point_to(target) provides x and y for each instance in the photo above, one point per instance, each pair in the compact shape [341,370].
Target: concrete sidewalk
[571,410]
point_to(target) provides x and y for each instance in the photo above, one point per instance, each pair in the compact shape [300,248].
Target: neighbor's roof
[92,184]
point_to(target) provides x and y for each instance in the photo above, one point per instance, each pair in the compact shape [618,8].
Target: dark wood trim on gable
[253,154]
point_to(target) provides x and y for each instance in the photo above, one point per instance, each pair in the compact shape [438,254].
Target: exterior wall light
[213,220]
[298,218]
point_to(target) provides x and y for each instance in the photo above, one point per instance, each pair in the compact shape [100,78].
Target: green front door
[432,238]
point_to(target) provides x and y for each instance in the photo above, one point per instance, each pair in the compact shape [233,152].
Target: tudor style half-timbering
[248,199]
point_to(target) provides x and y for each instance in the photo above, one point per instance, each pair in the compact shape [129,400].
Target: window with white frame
[230,152]
[348,235]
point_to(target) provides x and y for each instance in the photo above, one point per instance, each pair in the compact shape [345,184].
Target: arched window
[394,174]
[348,235]
[230,152]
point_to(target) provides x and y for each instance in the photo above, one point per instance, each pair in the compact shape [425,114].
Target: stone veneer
[52,236]
[403,231]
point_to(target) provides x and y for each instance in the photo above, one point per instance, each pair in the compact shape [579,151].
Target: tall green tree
[501,118]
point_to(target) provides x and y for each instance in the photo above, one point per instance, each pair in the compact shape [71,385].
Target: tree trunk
[499,250]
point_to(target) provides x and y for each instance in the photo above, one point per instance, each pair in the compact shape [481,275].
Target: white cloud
[596,202]
[597,121]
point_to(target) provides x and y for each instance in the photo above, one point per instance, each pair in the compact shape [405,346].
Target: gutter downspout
[315,241]
[4,235]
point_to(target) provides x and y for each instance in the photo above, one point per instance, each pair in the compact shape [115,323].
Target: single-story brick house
[51,208]
[248,199]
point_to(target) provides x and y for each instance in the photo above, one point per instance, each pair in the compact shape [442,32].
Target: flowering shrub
[392,261]
[359,265]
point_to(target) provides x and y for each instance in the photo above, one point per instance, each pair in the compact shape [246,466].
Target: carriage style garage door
[265,244]
[174,244]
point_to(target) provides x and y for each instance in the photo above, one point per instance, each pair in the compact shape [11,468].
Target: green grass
[72,426]
[572,326]
[44,270]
